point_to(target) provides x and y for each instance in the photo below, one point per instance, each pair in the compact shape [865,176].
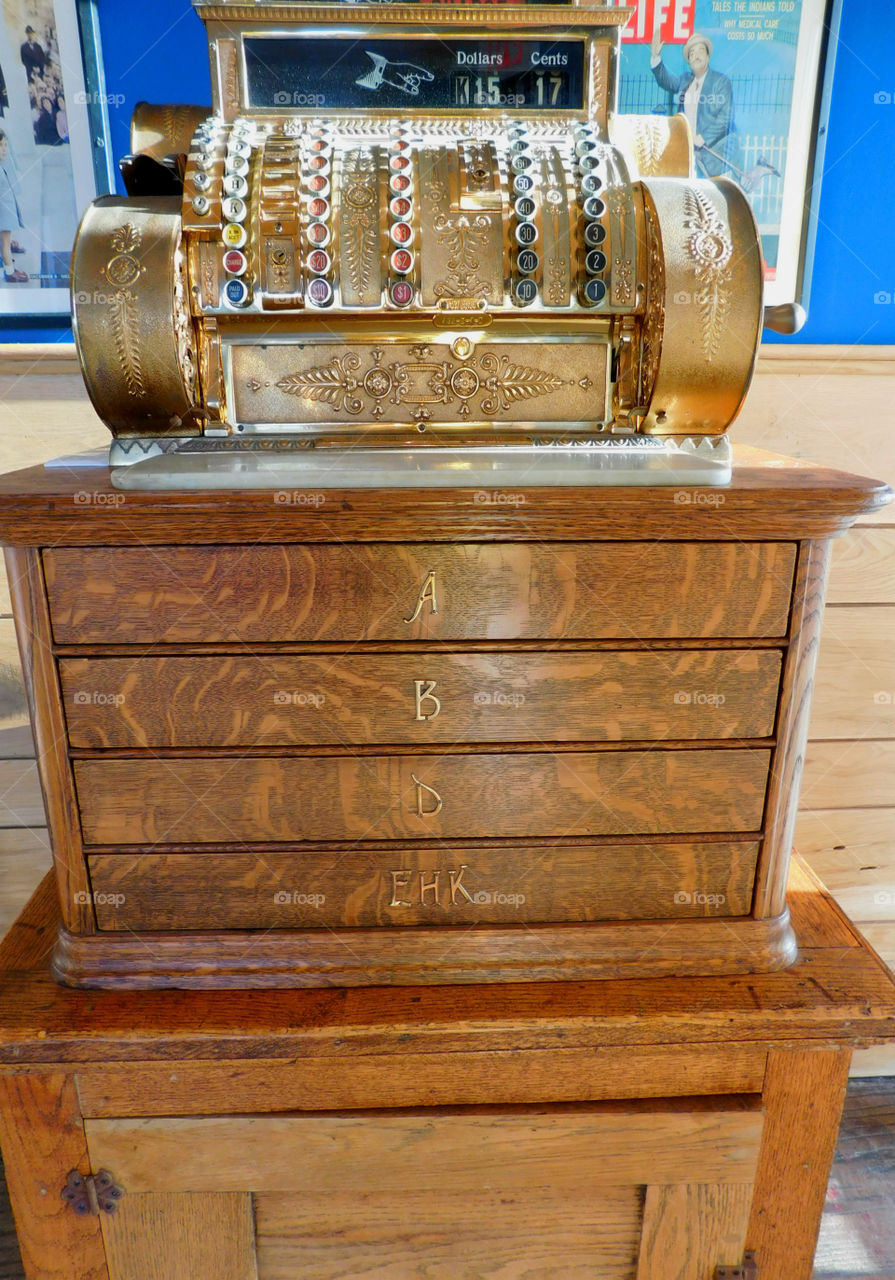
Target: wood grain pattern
[802,396]
[366,591]
[810,900]
[836,992]
[21,802]
[853,852]
[25,858]
[803,1097]
[426,955]
[420,1079]
[228,701]
[13,705]
[376,797]
[17,743]
[691,1228]
[482,1234]
[166,1236]
[862,570]
[855,686]
[42,1139]
[879,936]
[45,706]
[792,727]
[763,502]
[440,1151]
[357,887]
[849,774]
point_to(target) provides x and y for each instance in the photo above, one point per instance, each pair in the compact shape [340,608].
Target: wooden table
[636,1130]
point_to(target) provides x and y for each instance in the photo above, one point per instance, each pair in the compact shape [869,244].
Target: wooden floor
[857,1237]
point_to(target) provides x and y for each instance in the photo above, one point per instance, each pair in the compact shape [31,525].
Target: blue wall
[157,52]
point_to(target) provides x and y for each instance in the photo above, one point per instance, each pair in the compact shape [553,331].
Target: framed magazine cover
[52,149]
[758,107]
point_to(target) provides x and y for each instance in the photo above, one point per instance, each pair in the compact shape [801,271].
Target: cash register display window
[406,74]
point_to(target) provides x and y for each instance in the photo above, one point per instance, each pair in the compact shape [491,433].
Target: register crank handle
[786,317]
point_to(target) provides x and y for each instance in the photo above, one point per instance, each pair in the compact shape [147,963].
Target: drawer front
[476,591]
[373,797]
[423,884]
[344,699]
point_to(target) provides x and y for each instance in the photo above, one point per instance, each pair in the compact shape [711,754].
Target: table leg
[42,1138]
[803,1094]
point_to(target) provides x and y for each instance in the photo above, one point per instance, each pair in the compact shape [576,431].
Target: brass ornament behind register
[406,226]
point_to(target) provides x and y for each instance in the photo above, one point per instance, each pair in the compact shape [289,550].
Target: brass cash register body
[413,225]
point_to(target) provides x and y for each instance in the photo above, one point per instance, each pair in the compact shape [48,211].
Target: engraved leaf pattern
[710,249]
[123,315]
[463,237]
[359,223]
[332,384]
[650,138]
[510,382]
[125,239]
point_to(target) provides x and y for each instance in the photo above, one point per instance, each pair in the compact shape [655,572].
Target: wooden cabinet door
[619,1191]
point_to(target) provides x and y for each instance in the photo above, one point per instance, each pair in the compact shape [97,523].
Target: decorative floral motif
[710,249]
[648,143]
[623,279]
[123,313]
[359,224]
[495,381]
[333,384]
[464,236]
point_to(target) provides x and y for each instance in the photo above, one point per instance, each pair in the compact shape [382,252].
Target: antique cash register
[409,228]
[420,629]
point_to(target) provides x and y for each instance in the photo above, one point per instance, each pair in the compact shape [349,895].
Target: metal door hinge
[94,1194]
[747,1269]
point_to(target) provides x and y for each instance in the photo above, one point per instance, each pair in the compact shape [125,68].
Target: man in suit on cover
[704,96]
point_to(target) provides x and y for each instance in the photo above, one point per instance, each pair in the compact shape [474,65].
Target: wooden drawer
[345,699]
[387,591]
[558,1192]
[270,798]
[426,883]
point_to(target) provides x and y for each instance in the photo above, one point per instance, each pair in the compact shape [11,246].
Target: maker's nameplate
[402,73]
[417,383]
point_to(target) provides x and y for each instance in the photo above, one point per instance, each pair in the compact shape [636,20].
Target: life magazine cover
[745,73]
